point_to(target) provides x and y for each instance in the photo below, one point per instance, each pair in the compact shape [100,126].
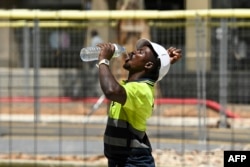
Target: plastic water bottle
[92,53]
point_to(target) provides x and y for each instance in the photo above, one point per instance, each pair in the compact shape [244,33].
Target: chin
[126,66]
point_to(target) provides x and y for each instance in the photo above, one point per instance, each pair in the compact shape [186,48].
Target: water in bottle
[92,53]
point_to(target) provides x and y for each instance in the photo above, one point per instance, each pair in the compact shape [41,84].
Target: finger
[177,50]
[101,45]
[174,59]
[170,49]
[177,57]
[177,54]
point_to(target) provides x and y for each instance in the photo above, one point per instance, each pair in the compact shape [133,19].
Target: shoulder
[138,88]
[136,85]
[139,94]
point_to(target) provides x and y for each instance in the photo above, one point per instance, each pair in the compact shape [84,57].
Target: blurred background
[51,105]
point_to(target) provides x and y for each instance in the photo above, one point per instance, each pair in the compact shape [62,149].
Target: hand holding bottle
[107,51]
[92,53]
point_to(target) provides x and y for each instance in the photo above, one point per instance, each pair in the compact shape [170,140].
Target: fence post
[26,57]
[36,47]
[201,78]
[223,72]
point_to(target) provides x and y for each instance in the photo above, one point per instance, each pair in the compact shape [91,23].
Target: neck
[135,76]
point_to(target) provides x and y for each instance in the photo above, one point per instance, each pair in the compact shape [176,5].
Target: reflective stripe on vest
[124,124]
[115,141]
[123,142]
[118,139]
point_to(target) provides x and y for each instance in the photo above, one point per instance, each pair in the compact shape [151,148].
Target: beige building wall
[191,36]
[9,55]
[4,47]
[120,33]
[102,30]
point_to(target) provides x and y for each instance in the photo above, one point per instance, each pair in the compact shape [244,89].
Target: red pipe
[209,103]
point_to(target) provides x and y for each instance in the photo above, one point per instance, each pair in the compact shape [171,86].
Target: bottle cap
[116,47]
[162,55]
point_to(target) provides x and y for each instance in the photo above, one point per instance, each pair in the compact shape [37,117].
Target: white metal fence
[43,78]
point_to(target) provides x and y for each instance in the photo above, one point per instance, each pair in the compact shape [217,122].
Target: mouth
[129,57]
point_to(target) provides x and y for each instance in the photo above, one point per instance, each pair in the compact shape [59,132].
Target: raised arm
[110,87]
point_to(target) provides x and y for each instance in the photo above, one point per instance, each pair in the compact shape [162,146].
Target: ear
[149,65]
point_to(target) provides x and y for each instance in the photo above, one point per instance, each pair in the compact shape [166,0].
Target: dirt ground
[174,159]
[163,158]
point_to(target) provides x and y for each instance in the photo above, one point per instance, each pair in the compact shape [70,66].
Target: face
[136,60]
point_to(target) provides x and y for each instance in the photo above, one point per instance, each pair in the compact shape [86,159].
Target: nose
[135,51]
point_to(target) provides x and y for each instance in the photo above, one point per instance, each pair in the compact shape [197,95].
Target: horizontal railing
[121,14]
[74,24]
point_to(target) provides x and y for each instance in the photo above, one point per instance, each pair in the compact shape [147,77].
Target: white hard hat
[162,55]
